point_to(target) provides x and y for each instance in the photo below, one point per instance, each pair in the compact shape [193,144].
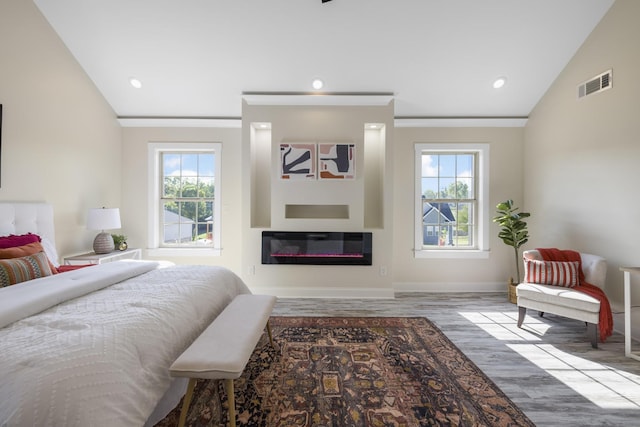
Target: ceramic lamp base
[103,243]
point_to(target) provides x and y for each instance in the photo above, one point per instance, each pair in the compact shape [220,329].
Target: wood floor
[548,368]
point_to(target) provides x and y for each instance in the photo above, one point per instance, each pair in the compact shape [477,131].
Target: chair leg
[521,312]
[592,331]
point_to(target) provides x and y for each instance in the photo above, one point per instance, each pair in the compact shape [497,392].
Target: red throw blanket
[605,323]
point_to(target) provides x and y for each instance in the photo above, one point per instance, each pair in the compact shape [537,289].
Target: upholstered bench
[223,349]
[564,301]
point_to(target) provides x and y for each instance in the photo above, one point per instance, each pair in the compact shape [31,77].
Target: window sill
[451,254]
[183,252]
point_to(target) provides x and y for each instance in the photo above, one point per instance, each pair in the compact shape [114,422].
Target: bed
[92,346]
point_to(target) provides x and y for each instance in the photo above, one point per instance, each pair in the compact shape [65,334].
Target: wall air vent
[596,84]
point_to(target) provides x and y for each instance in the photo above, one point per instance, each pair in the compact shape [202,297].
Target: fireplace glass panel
[316,248]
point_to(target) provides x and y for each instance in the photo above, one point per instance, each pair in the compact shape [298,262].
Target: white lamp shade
[103,219]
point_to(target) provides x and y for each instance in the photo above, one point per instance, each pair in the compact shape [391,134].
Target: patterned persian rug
[334,372]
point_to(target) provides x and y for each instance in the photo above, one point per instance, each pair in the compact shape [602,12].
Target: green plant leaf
[513,230]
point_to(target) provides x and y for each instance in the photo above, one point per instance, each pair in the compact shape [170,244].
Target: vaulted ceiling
[195,58]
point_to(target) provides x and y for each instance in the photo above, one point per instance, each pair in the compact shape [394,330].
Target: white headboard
[27,217]
[21,218]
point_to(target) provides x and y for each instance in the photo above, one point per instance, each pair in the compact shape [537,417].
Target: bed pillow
[21,251]
[557,273]
[16,270]
[13,240]
[50,250]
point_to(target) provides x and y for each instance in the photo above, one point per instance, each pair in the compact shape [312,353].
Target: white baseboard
[449,287]
[618,325]
[379,293]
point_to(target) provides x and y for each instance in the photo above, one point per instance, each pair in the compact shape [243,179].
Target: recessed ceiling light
[261,125]
[135,82]
[317,84]
[500,81]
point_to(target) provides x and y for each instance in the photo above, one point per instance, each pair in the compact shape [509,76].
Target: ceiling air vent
[596,84]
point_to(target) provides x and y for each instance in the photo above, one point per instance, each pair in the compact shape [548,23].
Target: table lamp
[103,219]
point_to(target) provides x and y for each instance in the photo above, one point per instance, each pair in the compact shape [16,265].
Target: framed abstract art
[336,161]
[298,161]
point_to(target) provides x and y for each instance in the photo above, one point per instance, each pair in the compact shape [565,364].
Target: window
[451,212]
[184,197]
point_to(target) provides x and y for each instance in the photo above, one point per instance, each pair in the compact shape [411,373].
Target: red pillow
[22,251]
[65,268]
[13,240]
[555,273]
[18,270]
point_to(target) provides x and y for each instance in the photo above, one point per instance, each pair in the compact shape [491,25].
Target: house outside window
[451,211]
[184,198]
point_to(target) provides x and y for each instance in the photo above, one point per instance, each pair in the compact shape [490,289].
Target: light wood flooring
[548,368]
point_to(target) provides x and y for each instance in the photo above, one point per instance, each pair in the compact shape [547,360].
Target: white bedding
[102,359]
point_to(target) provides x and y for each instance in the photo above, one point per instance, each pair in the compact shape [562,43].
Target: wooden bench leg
[269,332]
[186,402]
[231,401]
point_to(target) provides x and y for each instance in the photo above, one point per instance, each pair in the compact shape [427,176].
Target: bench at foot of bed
[223,349]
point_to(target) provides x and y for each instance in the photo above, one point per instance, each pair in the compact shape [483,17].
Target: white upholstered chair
[565,301]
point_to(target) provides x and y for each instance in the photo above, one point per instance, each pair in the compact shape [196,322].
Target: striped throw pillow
[16,270]
[557,273]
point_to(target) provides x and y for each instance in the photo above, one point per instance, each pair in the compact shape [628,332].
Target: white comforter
[102,359]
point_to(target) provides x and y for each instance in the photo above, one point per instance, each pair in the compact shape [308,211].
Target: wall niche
[335,204]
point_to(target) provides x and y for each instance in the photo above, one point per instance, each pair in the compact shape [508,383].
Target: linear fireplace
[316,248]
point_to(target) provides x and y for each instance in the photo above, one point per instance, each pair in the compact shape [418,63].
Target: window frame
[155,180]
[482,205]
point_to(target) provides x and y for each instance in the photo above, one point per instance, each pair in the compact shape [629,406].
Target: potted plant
[120,241]
[513,232]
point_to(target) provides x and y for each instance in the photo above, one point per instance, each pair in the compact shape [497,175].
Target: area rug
[362,371]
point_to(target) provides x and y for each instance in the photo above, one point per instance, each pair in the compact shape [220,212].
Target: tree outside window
[184,198]
[187,199]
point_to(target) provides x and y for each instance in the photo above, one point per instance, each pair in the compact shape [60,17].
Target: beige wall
[581,168]
[62,144]
[410,273]
[252,190]
[135,178]
[265,196]
[60,140]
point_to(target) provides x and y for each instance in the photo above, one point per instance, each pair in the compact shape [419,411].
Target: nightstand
[93,258]
[627,271]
